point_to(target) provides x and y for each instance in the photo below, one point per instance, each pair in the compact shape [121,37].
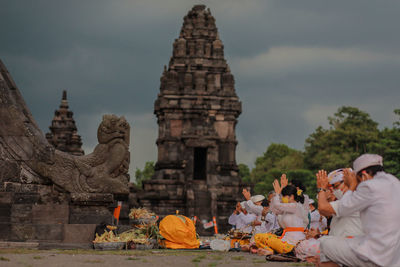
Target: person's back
[378,202]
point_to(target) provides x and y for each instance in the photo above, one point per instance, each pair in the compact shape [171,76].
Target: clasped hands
[349,178]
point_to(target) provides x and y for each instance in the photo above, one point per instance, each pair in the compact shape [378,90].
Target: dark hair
[372,170]
[299,184]
[264,203]
[292,190]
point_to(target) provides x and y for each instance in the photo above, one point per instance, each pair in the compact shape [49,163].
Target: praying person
[317,222]
[241,219]
[291,216]
[376,195]
[266,220]
[254,205]
[347,226]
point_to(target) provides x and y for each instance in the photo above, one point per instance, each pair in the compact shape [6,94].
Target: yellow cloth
[272,242]
[179,232]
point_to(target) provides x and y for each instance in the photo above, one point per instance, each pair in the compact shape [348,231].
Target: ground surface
[72,258]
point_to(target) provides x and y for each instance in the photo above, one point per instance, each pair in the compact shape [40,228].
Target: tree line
[351,132]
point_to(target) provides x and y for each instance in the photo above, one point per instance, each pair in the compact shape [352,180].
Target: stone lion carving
[103,171]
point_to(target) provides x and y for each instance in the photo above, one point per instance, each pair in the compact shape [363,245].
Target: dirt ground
[72,258]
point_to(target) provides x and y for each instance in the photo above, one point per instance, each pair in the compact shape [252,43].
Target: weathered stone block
[48,232]
[21,213]
[9,171]
[26,198]
[6,197]
[50,214]
[22,232]
[5,213]
[5,231]
[29,188]
[91,198]
[79,233]
[12,187]
[89,215]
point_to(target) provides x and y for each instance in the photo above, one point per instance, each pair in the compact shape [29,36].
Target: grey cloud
[109,55]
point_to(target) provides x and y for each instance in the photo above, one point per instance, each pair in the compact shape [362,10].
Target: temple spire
[197,110]
[63,132]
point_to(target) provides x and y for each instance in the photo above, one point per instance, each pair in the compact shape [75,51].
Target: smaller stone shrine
[197,110]
[49,196]
[63,133]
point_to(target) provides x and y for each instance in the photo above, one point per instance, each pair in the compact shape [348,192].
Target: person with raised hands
[266,220]
[241,219]
[346,226]
[376,195]
[292,216]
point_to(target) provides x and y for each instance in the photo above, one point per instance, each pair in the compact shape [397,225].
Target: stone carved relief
[103,171]
[27,157]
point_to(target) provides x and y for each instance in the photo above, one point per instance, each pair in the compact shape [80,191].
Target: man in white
[241,219]
[376,195]
[345,226]
[266,221]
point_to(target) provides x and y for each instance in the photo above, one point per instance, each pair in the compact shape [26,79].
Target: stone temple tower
[63,132]
[197,110]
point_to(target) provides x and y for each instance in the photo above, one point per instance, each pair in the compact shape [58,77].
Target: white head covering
[311,201]
[335,176]
[367,160]
[257,198]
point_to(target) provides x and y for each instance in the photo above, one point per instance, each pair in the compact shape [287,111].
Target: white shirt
[233,219]
[377,200]
[253,208]
[290,215]
[315,223]
[242,221]
[345,226]
[269,224]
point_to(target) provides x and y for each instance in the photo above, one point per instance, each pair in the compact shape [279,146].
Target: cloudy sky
[294,62]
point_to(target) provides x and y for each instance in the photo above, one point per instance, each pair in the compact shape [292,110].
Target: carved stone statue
[103,171]
[27,158]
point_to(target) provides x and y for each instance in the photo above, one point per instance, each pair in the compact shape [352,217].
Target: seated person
[318,222]
[375,194]
[241,219]
[266,220]
[292,216]
[346,226]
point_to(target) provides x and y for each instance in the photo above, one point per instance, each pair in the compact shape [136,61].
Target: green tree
[244,173]
[278,157]
[352,132]
[389,147]
[144,175]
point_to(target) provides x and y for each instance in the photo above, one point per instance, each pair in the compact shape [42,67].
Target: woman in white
[292,217]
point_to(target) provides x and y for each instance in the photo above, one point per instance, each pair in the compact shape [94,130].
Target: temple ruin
[197,110]
[63,133]
[49,196]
